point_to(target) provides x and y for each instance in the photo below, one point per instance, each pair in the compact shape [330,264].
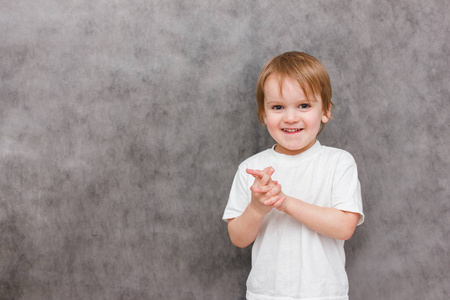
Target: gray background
[122,124]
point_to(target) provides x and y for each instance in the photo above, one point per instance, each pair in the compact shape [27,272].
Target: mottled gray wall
[122,124]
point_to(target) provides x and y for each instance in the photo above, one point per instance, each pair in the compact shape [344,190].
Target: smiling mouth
[291,130]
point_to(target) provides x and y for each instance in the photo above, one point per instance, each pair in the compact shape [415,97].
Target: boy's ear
[326,115]
[264,117]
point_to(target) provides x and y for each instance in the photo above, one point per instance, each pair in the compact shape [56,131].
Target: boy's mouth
[292,130]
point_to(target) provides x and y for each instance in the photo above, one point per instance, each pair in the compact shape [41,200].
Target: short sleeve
[239,197]
[346,192]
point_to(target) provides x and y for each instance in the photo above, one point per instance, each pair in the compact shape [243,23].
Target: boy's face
[292,120]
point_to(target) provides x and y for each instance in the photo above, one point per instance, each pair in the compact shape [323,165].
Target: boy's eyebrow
[271,102]
[299,100]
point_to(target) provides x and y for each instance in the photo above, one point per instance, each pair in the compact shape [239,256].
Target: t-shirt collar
[301,156]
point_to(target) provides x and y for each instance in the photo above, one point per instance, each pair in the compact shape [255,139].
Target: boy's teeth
[291,130]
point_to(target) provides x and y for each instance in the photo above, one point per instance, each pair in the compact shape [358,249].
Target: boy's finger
[262,189]
[279,202]
[269,170]
[271,200]
[254,173]
[275,190]
[266,177]
[255,183]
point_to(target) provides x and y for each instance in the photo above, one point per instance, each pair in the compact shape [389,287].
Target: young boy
[299,200]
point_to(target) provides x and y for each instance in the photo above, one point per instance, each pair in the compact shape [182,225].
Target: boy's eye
[277,107]
[305,105]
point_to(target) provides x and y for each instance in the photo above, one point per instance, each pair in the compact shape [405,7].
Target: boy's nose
[291,116]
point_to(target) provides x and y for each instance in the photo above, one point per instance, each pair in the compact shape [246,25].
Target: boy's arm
[328,221]
[244,229]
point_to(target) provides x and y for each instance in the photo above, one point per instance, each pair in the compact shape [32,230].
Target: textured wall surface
[122,124]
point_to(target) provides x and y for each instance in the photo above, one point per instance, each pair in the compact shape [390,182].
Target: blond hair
[306,69]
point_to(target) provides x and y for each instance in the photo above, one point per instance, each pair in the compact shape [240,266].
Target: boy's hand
[266,193]
[264,175]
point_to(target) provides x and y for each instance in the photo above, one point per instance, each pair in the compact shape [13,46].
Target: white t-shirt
[289,260]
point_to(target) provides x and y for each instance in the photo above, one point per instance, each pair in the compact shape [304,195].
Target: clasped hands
[266,193]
